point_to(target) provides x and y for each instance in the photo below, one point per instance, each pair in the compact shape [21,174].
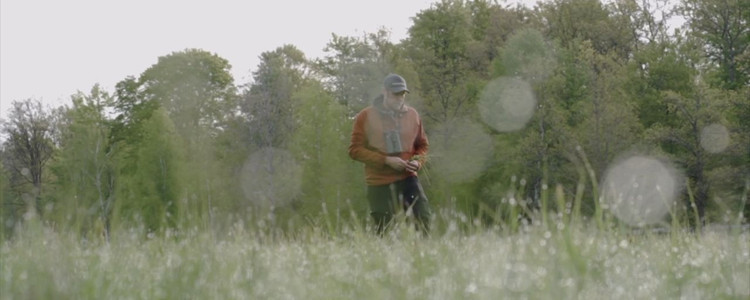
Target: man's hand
[395,162]
[400,165]
[412,166]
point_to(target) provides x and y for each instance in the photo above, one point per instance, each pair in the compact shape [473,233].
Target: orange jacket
[368,142]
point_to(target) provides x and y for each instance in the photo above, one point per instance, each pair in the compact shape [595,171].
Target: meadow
[460,261]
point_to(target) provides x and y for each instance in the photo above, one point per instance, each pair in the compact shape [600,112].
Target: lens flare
[460,150]
[714,138]
[528,55]
[271,177]
[640,190]
[506,104]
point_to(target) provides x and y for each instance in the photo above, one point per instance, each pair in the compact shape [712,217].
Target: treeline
[183,146]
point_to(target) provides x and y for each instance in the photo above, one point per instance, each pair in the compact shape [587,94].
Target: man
[389,139]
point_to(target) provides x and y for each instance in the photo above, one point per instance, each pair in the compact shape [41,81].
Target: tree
[527,55]
[648,20]
[269,110]
[83,169]
[28,148]
[657,68]
[329,178]
[10,208]
[728,150]
[739,116]
[321,135]
[724,26]
[149,189]
[197,92]
[694,112]
[267,103]
[573,21]
[196,89]
[503,23]
[437,44]
[355,68]
[608,123]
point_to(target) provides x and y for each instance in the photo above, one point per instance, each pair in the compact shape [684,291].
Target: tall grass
[559,254]
[561,259]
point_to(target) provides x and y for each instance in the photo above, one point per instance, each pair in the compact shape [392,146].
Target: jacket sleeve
[358,149]
[421,144]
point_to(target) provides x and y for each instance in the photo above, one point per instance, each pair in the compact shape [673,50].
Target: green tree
[457,48]
[196,89]
[437,44]
[9,204]
[573,21]
[148,184]
[739,117]
[608,124]
[269,110]
[539,156]
[83,169]
[694,112]
[145,156]
[657,68]
[648,20]
[355,68]
[729,169]
[724,27]
[603,122]
[503,23]
[527,55]
[198,94]
[329,178]
[267,103]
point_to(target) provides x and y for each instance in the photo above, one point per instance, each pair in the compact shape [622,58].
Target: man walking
[389,139]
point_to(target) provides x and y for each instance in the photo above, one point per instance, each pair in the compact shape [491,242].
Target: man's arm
[421,146]
[358,147]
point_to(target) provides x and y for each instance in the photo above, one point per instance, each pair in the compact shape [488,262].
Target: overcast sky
[52,48]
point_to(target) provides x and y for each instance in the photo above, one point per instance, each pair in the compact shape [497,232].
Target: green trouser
[389,199]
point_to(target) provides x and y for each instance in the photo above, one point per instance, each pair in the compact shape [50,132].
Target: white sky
[49,49]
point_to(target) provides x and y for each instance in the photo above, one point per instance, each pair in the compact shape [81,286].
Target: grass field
[574,262]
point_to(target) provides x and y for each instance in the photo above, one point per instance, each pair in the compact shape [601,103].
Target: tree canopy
[515,100]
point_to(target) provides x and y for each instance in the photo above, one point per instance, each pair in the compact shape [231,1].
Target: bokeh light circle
[459,150]
[271,177]
[714,138]
[506,104]
[641,190]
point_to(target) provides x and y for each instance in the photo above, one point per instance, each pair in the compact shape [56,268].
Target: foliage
[10,208]
[27,150]
[194,87]
[438,44]
[695,111]
[330,180]
[148,190]
[267,102]
[354,69]
[84,165]
[528,56]
[171,148]
[197,93]
[574,21]
[724,26]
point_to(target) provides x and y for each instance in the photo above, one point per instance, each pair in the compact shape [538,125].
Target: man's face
[395,101]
